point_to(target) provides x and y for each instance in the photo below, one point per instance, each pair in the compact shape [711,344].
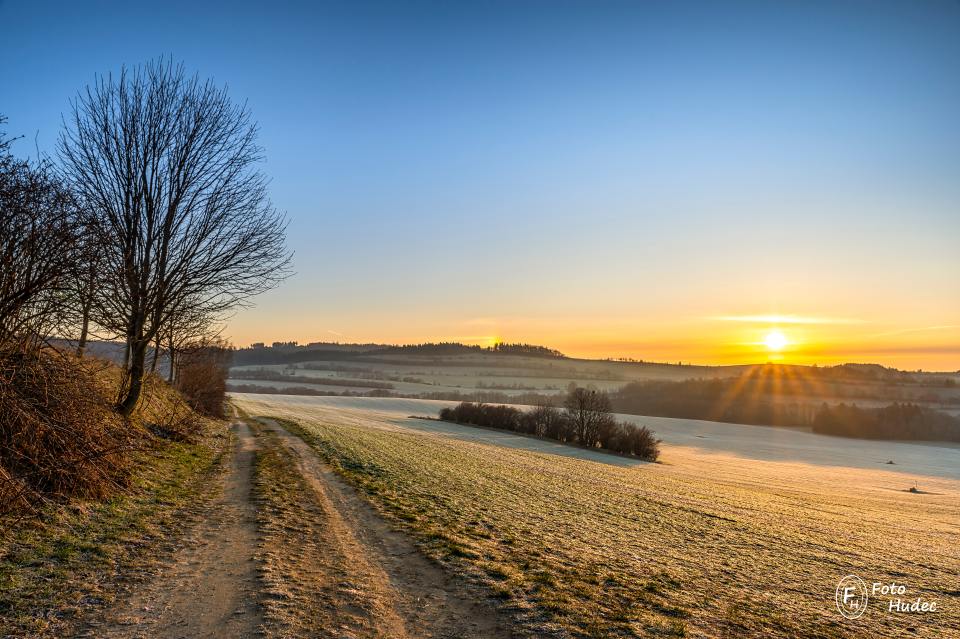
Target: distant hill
[868,373]
[111,351]
[290,353]
[293,353]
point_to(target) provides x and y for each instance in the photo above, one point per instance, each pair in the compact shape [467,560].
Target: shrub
[642,442]
[38,240]
[547,421]
[202,378]
[493,416]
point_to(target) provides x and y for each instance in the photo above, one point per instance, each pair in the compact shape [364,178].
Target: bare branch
[169,166]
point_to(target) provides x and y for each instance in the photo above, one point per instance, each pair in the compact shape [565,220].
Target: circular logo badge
[852,597]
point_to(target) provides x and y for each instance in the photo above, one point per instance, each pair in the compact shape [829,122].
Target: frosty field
[739,531]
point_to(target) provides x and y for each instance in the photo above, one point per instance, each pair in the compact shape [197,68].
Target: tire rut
[422,600]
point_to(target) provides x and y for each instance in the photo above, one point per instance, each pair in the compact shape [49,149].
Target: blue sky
[604,177]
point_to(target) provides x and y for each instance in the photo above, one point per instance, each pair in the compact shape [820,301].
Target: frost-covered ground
[683,438]
[741,531]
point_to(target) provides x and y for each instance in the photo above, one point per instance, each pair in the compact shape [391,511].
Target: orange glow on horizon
[692,339]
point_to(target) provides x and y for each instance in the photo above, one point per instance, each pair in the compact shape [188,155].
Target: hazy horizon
[767,358]
[615,180]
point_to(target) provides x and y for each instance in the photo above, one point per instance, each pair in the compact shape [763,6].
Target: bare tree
[546,421]
[84,282]
[38,236]
[169,165]
[589,411]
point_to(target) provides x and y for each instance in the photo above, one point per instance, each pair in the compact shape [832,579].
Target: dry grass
[59,436]
[58,571]
[702,545]
[288,518]
[74,556]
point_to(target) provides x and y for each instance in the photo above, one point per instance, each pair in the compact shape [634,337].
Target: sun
[775,341]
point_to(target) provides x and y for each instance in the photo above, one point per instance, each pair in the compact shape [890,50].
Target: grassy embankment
[593,550]
[79,555]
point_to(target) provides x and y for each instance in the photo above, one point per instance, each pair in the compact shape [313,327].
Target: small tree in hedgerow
[589,412]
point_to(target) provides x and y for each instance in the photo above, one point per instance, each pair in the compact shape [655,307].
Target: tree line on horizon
[902,421]
[292,352]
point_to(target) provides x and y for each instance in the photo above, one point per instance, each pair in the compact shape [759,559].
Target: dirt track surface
[209,589]
[335,570]
[393,590]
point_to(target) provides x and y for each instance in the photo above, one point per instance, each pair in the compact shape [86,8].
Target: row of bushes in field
[233,387]
[586,420]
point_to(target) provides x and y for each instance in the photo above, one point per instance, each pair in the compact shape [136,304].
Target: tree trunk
[84,330]
[156,354]
[138,356]
[170,375]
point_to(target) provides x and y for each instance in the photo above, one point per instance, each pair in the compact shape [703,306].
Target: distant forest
[720,400]
[742,401]
[897,421]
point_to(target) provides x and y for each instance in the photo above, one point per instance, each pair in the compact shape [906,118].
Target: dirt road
[307,557]
[396,590]
[210,588]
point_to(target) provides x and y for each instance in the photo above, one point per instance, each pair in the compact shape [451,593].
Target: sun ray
[733,393]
